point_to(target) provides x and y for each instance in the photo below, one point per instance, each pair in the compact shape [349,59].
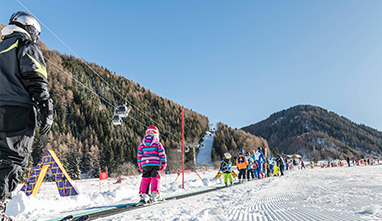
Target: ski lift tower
[211,127]
[193,146]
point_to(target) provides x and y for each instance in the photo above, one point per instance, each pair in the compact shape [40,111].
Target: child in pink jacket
[151,159]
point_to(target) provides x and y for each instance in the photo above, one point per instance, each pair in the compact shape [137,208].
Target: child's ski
[67,218]
[83,218]
[149,203]
[71,218]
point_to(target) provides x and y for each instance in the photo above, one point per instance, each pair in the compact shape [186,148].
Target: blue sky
[236,62]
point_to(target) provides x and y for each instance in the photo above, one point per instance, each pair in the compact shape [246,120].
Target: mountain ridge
[312,131]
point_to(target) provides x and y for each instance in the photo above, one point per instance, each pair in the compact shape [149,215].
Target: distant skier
[302,165]
[250,172]
[242,164]
[226,169]
[348,160]
[254,167]
[271,161]
[280,164]
[259,157]
[276,170]
[262,171]
[267,166]
[151,159]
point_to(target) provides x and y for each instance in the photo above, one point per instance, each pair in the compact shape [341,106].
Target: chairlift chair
[117,120]
[123,111]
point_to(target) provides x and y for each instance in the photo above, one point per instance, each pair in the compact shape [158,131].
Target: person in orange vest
[241,164]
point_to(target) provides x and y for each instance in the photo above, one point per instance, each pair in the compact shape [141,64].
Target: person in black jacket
[280,164]
[23,87]
[226,169]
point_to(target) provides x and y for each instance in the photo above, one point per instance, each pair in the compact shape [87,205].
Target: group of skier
[249,167]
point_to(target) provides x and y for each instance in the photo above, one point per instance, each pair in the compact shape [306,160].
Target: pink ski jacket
[150,152]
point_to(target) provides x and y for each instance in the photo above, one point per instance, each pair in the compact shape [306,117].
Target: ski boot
[6,218]
[145,198]
[155,196]
[3,206]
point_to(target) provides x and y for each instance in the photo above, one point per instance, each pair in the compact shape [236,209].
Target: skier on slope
[241,164]
[271,161]
[259,157]
[24,86]
[151,159]
[254,167]
[250,172]
[348,160]
[226,169]
[280,164]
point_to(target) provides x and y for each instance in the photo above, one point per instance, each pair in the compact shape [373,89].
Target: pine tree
[275,151]
[73,167]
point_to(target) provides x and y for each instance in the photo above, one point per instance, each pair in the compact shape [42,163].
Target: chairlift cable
[96,73]
[80,82]
[104,99]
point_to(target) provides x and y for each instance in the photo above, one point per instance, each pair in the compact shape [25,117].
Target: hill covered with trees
[232,140]
[316,133]
[85,97]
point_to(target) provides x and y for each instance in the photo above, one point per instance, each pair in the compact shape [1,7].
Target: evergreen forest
[86,97]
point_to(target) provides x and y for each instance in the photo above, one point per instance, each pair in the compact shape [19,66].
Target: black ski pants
[17,127]
[242,173]
[250,173]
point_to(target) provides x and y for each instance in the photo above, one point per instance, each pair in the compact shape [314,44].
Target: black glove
[46,110]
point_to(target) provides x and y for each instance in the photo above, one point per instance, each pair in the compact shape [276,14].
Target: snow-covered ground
[204,155]
[339,193]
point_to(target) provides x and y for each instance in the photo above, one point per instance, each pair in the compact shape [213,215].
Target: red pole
[182,149]
[265,163]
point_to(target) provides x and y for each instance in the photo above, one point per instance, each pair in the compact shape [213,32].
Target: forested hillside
[85,98]
[232,140]
[317,134]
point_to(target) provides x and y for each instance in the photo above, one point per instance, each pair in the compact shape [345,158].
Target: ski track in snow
[319,194]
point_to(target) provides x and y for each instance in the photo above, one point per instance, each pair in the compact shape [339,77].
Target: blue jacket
[250,163]
[259,156]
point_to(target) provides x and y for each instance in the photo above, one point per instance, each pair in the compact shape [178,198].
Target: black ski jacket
[280,162]
[226,166]
[23,75]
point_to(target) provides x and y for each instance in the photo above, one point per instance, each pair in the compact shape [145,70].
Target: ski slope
[340,193]
[204,154]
